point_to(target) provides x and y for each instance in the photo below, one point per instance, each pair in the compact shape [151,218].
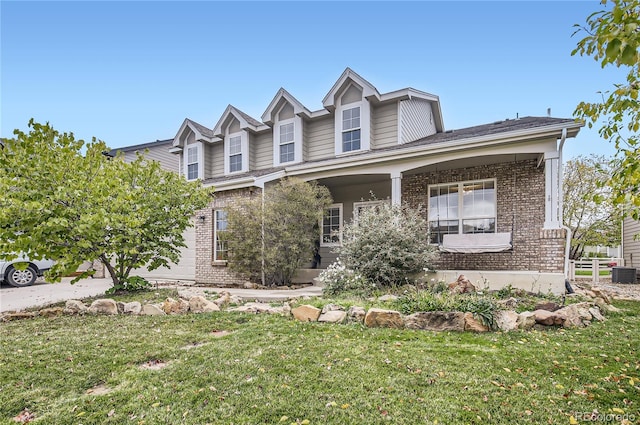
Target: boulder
[506,320]
[250,285]
[388,297]
[601,294]
[199,304]
[332,307]
[19,315]
[333,316]
[549,318]
[436,321]
[576,315]
[356,314]
[597,315]
[103,306]
[51,312]
[306,313]
[134,308]
[549,306]
[461,286]
[152,310]
[526,320]
[223,299]
[474,325]
[75,307]
[379,318]
[509,303]
[171,306]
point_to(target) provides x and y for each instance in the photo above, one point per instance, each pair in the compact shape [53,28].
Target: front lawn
[273,370]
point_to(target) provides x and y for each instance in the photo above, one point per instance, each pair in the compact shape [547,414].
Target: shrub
[387,244]
[130,284]
[338,279]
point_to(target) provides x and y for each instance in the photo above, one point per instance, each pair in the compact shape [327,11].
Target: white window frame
[199,162]
[341,222]
[215,235]
[365,124]
[461,218]
[297,140]
[365,204]
[244,151]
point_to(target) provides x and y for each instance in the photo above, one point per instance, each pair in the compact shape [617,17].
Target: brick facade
[208,271]
[520,191]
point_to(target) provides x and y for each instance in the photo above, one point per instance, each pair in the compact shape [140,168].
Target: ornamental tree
[64,199]
[613,39]
[270,238]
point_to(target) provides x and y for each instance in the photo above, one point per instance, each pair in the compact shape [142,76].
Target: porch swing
[474,243]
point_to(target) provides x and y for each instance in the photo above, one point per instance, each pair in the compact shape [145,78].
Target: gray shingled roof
[201,128]
[141,146]
[254,122]
[256,173]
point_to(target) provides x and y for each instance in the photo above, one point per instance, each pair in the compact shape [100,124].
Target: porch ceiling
[471,162]
[354,180]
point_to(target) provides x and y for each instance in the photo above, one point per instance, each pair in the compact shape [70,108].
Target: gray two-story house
[491,192]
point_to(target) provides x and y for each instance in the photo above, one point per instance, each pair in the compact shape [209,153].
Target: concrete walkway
[42,294]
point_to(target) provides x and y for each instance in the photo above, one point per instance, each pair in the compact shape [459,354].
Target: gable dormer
[189,143]
[350,99]
[234,128]
[285,113]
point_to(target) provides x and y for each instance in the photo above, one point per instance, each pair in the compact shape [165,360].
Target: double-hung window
[192,163]
[351,131]
[220,245]
[332,226]
[235,154]
[287,145]
[465,207]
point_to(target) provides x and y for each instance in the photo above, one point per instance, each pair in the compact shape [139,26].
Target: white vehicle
[17,277]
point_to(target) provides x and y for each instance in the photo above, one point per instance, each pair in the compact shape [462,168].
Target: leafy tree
[387,244]
[588,205]
[613,39]
[278,235]
[65,200]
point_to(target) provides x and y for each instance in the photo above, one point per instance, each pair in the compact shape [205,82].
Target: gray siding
[262,147]
[320,138]
[384,126]
[305,140]
[631,246]
[416,120]
[215,156]
[208,163]
[160,153]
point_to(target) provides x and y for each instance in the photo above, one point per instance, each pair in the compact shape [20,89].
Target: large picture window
[332,226]
[220,245]
[465,207]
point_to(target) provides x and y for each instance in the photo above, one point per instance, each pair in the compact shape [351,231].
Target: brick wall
[208,271]
[520,207]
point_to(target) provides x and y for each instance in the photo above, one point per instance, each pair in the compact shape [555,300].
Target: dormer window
[287,136]
[351,134]
[235,154]
[287,149]
[193,161]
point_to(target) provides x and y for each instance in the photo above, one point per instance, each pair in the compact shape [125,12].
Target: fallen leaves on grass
[24,417]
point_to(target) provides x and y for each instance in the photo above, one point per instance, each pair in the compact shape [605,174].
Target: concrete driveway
[42,293]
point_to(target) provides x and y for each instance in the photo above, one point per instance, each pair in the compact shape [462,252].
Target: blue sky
[130,72]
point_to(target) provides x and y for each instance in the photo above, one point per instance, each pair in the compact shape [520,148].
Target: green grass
[589,273]
[274,370]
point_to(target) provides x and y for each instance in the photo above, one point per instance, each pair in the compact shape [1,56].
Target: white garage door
[186,267]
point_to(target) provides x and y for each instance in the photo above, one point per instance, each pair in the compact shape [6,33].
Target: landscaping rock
[152,310]
[235,299]
[306,313]
[597,315]
[509,303]
[474,325]
[75,307]
[526,320]
[186,294]
[601,294]
[576,315]
[171,306]
[461,286]
[549,318]
[356,314]
[333,316]
[332,307]
[103,306]
[52,311]
[436,321]
[199,304]
[222,300]
[388,297]
[249,285]
[549,306]
[379,318]
[19,315]
[506,320]
[133,308]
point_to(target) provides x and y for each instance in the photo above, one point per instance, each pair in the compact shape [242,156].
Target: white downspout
[567,244]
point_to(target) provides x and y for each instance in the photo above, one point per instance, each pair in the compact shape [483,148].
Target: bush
[130,284]
[337,279]
[387,245]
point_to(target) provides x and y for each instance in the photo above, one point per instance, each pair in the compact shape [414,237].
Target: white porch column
[396,188]
[551,192]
